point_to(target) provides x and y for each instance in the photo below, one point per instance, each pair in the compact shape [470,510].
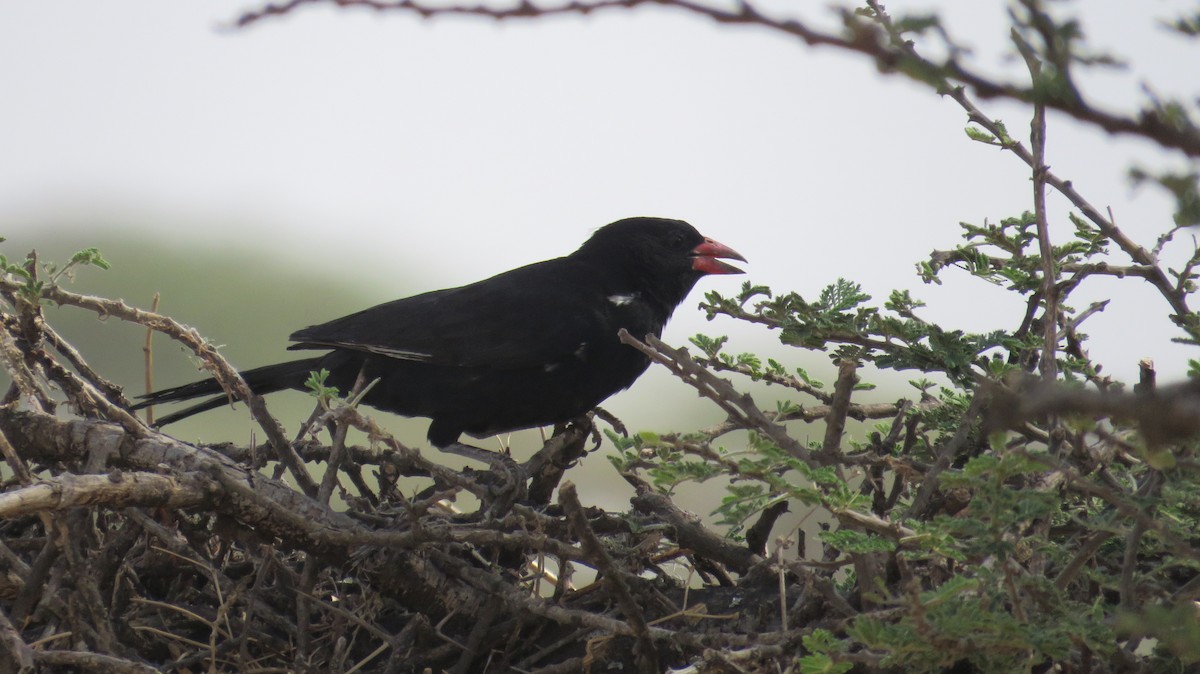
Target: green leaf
[90,257]
[850,541]
[819,663]
[981,136]
[317,388]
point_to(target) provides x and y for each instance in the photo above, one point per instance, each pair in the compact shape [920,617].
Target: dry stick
[15,462]
[1127,587]
[111,391]
[835,422]
[91,662]
[1089,548]
[14,563]
[569,639]
[30,327]
[1084,269]
[89,399]
[781,575]
[689,532]
[350,616]
[520,602]
[548,465]
[371,656]
[35,580]
[1150,489]
[86,601]
[929,482]
[483,624]
[866,566]
[1037,139]
[418,465]
[308,576]
[1147,377]
[1048,365]
[148,352]
[1187,592]
[24,382]
[377,631]
[115,490]
[889,443]
[614,578]
[20,653]
[337,453]
[252,603]
[760,532]
[501,498]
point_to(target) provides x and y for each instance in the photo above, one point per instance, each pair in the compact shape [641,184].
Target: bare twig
[614,577]
[946,454]
[19,652]
[689,531]
[835,422]
[1037,139]
[148,352]
[91,662]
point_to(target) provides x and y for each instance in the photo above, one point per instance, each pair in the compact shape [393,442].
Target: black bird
[529,347]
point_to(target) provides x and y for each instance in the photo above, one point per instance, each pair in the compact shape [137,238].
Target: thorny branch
[863,35]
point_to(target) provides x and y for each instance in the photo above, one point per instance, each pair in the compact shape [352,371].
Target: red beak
[704,258]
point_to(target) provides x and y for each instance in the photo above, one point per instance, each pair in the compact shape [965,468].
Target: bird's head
[666,257]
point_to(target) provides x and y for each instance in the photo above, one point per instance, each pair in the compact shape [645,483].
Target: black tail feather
[261,380]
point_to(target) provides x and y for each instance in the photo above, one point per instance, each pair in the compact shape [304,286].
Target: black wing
[527,317]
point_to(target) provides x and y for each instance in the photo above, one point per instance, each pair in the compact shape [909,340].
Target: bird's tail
[261,380]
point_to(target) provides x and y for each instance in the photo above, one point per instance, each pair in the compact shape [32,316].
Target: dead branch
[114,490]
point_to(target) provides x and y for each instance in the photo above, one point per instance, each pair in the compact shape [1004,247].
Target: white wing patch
[392,353]
[622,300]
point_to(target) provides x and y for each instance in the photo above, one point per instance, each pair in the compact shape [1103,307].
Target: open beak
[704,258]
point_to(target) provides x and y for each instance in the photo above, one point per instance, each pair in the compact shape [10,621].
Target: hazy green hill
[244,300]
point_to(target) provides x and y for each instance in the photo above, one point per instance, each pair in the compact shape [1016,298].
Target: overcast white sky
[459,148]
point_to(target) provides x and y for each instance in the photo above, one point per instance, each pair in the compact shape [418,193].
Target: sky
[373,147]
